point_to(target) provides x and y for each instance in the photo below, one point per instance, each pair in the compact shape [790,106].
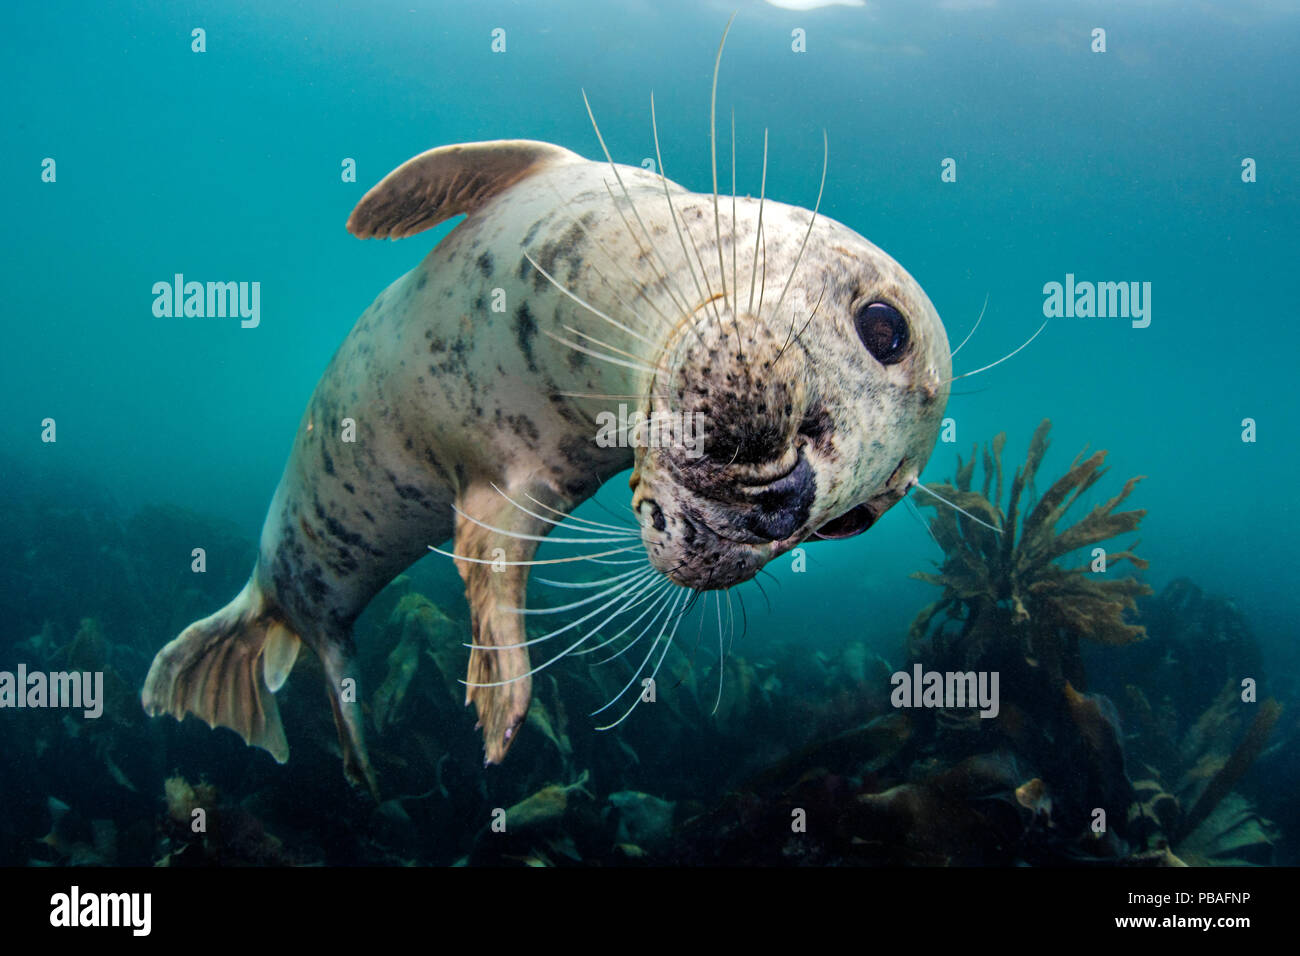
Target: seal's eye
[883,331]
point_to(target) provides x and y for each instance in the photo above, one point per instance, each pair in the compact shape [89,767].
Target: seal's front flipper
[446,182]
[226,669]
[495,584]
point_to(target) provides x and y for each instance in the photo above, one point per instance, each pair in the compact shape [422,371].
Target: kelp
[1014,603]
[1196,642]
[426,638]
[546,807]
[1014,565]
[1233,834]
[1230,770]
[552,722]
[202,828]
[1204,821]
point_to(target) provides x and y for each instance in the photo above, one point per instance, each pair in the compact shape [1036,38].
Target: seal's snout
[727,379]
[714,512]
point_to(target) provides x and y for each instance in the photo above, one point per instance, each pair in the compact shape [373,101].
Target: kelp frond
[1019,565]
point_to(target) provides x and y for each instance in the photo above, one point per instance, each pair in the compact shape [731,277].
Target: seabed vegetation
[1122,736]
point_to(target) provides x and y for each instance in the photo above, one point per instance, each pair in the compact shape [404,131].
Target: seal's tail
[226,669]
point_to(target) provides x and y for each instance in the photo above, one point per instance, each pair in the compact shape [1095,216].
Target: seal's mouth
[852,522]
[861,517]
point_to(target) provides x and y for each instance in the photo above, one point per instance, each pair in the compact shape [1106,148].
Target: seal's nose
[781,507]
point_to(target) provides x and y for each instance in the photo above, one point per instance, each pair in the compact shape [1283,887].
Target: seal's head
[807,418]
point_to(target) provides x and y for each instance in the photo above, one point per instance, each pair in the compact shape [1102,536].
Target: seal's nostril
[771,525]
[656,515]
[782,507]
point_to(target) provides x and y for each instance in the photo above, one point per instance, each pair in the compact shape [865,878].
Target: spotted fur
[455,379]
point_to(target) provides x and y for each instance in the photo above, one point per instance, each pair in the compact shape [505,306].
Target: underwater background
[1127,165]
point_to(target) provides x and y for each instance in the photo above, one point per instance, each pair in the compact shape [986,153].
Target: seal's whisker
[588,306]
[667,647]
[699,638]
[954,352]
[794,336]
[552,521]
[603,344]
[664,322]
[536,563]
[1001,360]
[915,510]
[762,195]
[635,366]
[744,615]
[624,581]
[622,596]
[581,585]
[640,288]
[636,519]
[735,281]
[521,536]
[637,580]
[694,599]
[722,660]
[627,195]
[666,607]
[609,396]
[712,300]
[656,595]
[761,590]
[826,155]
[636,599]
[674,290]
[672,212]
[667,613]
[571,517]
[955,508]
[731,620]
[713,153]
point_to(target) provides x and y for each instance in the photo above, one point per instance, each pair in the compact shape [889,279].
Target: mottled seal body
[464,404]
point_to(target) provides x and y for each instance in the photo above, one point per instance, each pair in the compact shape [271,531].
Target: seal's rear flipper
[446,182]
[347,715]
[225,669]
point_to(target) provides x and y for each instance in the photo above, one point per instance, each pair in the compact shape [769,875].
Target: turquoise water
[1117,166]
